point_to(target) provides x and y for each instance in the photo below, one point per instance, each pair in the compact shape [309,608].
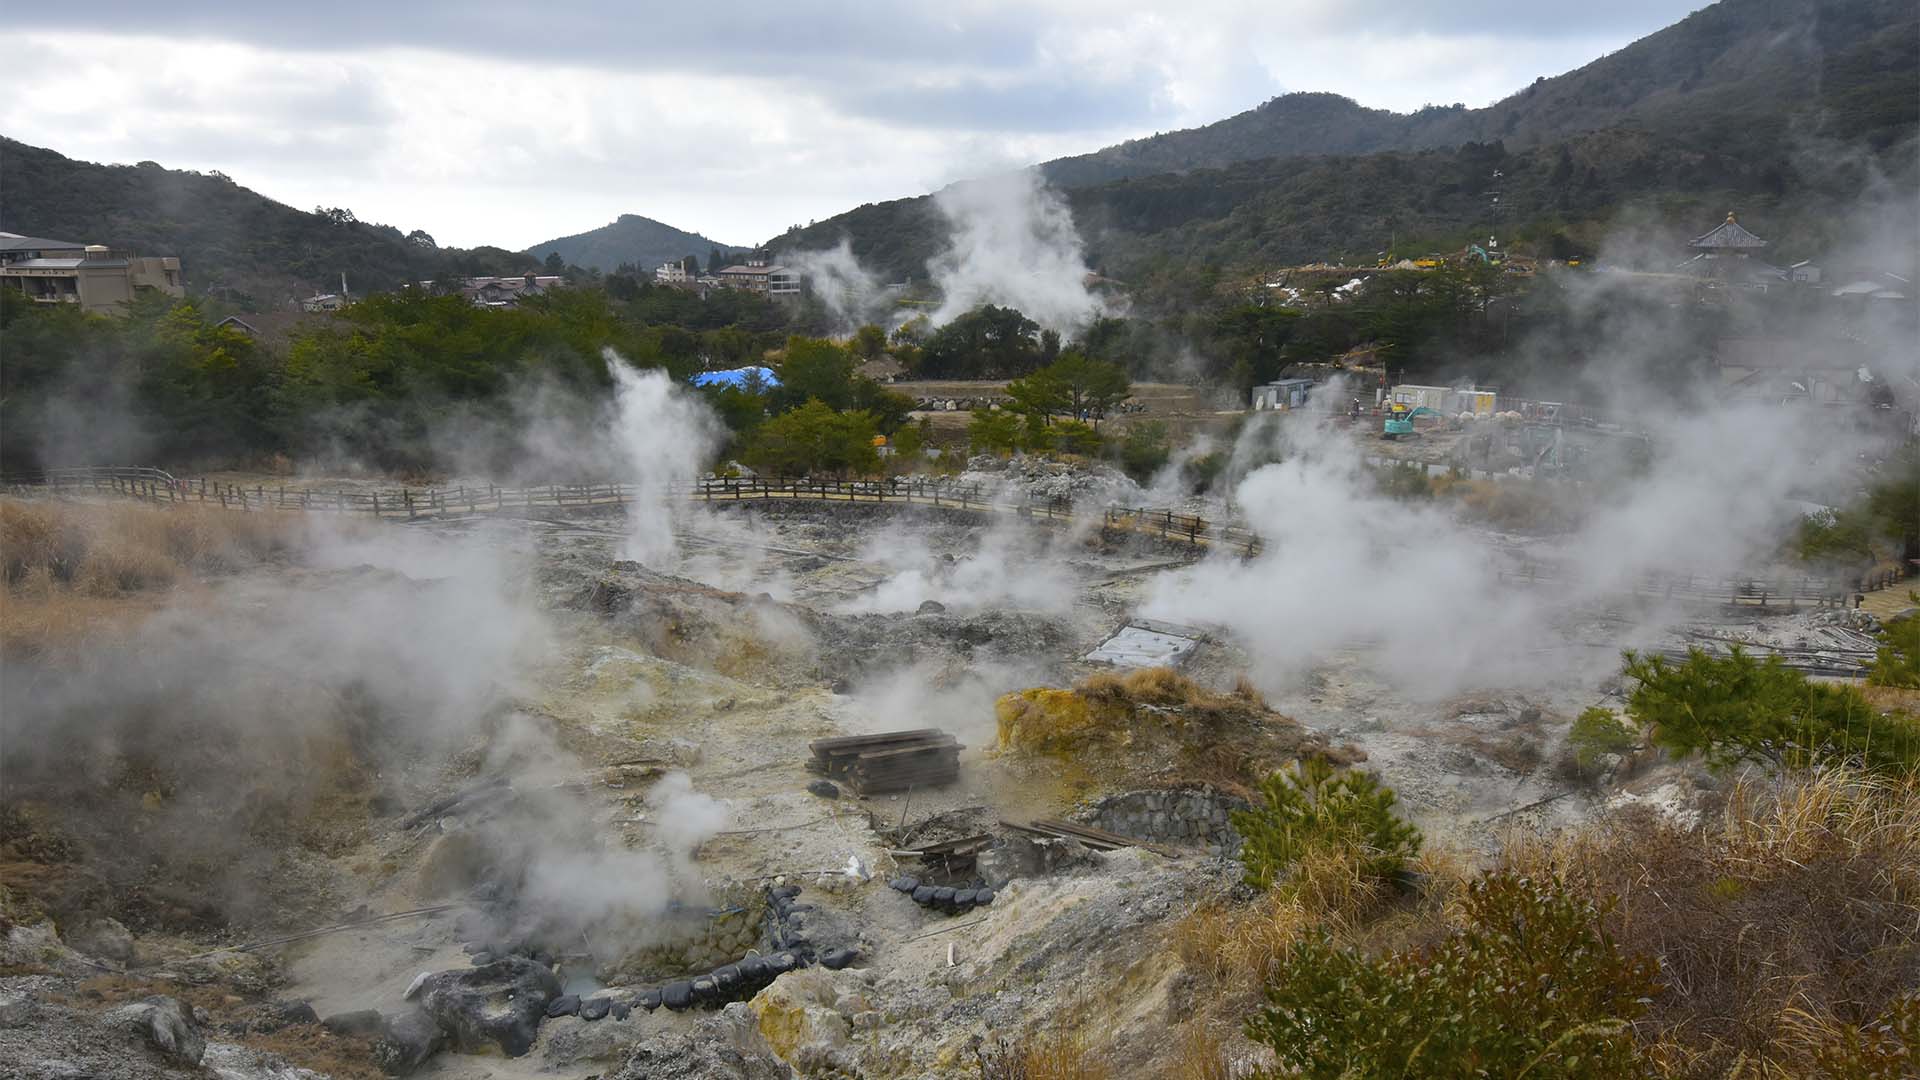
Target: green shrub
[1532,986]
[1311,807]
[1898,663]
[1596,733]
[1403,480]
[1737,708]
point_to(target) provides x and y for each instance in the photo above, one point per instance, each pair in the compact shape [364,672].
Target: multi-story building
[93,276]
[757,276]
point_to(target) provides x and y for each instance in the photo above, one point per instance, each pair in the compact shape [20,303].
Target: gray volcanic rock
[500,1003]
[166,1024]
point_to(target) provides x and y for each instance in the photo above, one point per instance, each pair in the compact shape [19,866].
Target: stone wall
[694,940]
[1185,817]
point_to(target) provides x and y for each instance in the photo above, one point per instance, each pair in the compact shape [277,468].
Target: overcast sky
[512,123]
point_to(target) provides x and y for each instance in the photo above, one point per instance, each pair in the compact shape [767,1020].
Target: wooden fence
[1739,591]
[412,504]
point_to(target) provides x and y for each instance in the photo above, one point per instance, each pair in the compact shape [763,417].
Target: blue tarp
[736,377]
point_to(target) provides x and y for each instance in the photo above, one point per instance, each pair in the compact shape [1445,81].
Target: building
[507,291]
[673,273]
[1729,253]
[99,279]
[756,275]
[492,291]
[1282,394]
[1445,399]
[1728,240]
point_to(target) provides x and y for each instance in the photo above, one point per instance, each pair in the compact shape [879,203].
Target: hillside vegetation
[633,240]
[1757,67]
[1788,110]
[232,242]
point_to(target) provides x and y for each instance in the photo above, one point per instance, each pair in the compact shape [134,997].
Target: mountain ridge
[631,239]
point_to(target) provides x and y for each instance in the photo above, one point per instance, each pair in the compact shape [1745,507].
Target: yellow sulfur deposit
[1043,719]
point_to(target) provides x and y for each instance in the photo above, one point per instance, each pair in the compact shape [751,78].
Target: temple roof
[1729,235]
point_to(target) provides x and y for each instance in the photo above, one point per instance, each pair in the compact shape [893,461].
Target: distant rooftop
[1729,235]
[16,242]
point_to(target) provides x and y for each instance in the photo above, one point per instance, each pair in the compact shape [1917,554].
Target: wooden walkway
[426,504]
[429,504]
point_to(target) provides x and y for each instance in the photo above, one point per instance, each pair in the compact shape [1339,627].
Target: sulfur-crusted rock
[797,1018]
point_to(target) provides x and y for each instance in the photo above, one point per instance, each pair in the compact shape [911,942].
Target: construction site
[672,776]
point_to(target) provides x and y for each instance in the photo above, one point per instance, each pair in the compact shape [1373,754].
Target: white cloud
[482,128]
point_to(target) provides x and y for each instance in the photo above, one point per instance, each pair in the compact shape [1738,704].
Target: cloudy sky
[511,123]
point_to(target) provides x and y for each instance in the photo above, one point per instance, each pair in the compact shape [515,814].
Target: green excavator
[1399,420]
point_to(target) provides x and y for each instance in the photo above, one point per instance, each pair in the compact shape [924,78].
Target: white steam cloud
[848,290]
[1014,244]
[660,435]
[1343,564]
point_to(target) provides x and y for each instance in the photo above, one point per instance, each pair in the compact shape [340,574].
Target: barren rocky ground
[613,862]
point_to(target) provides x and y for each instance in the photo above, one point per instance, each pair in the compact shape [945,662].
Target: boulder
[15,1010]
[796,1015]
[104,939]
[500,1003]
[722,1047]
[167,1024]
[359,1022]
[406,1042]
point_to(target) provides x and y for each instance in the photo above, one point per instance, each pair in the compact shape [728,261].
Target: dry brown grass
[1796,908]
[1144,719]
[80,572]
[1044,1056]
[1203,1056]
[104,549]
[1235,947]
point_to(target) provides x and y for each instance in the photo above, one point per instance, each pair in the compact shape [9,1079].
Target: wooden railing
[155,485]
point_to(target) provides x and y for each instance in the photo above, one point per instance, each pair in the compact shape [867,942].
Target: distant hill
[1774,106]
[641,241]
[230,240]
[1838,68]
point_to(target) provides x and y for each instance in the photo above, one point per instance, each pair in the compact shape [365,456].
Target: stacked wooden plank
[889,761]
[1097,839]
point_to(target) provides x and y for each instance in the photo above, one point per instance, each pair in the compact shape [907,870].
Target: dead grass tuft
[1054,1056]
[1797,901]
[76,572]
[126,547]
[1156,715]
[1203,1056]
[1234,948]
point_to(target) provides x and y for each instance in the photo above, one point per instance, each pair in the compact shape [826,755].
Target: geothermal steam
[1013,244]
[1343,565]
[660,436]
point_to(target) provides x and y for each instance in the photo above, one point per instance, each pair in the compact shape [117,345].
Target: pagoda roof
[1729,234]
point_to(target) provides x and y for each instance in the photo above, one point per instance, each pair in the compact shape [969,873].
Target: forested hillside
[1788,110]
[232,242]
[1758,67]
[634,240]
